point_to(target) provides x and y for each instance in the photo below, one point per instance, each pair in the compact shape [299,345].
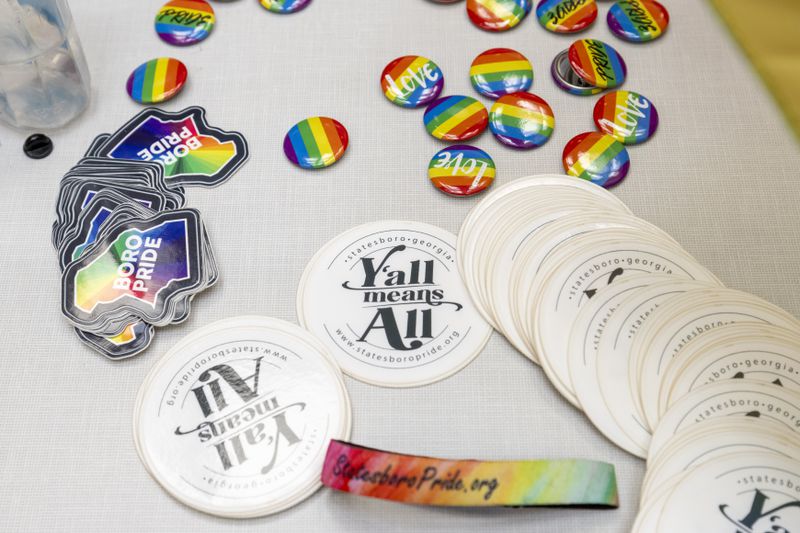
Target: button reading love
[412,81]
[461,170]
[627,116]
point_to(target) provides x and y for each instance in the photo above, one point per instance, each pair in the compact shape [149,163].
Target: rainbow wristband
[428,481]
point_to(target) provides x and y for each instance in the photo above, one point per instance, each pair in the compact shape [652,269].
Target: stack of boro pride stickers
[236,418]
[630,329]
[387,301]
[132,257]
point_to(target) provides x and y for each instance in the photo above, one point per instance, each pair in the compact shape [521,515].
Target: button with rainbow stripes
[627,116]
[455,118]
[157,80]
[316,142]
[184,22]
[567,79]
[566,16]
[521,120]
[412,81]
[285,7]
[596,157]
[498,15]
[597,63]
[501,71]
[638,21]
[461,170]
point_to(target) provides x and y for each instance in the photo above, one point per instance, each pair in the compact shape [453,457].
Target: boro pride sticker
[191,151]
[387,300]
[235,420]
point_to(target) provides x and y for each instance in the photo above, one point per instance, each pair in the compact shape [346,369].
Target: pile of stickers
[236,418]
[630,329]
[387,301]
[132,257]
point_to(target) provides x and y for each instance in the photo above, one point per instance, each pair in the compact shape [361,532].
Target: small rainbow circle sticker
[412,81]
[316,142]
[627,116]
[501,71]
[498,15]
[597,63]
[596,157]
[455,118]
[461,170]
[521,120]
[638,21]
[157,80]
[566,16]
[184,22]
[285,6]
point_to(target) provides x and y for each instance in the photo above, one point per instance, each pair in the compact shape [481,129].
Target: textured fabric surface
[721,175]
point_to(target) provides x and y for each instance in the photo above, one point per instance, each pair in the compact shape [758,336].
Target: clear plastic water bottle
[44,80]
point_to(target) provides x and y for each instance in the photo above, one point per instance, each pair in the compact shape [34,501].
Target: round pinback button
[316,142]
[412,81]
[521,120]
[38,146]
[627,116]
[638,21]
[285,6]
[500,71]
[461,170]
[566,16]
[596,157]
[567,79]
[597,63]
[498,15]
[455,118]
[157,80]
[184,22]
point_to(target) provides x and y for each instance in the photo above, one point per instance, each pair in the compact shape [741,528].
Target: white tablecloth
[722,176]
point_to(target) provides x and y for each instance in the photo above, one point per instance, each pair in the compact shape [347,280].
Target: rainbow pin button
[638,21]
[184,22]
[455,118]
[498,15]
[596,157]
[316,142]
[501,71]
[412,81]
[157,80]
[521,120]
[285,7]
[566,16]
[461,170]
[597,63]
[627,116]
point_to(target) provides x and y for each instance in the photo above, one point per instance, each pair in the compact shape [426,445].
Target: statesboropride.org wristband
[429,481]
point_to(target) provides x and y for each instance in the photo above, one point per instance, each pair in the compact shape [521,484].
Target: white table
[722,175]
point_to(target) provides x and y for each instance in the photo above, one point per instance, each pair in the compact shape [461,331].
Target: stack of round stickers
[387,301]
[235,420]
[631,329]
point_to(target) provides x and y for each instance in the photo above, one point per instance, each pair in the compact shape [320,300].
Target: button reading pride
[498,15]
[455,118]
[412,81]
[638,21]
[285,6]
[521,120]
[627,116]
[501,71]
[315,142]
[597,63]
[596,157]
[461,170]
[566,16]
[184,22]
[157,80]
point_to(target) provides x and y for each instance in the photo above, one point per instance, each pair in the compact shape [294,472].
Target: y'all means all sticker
[388,301]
